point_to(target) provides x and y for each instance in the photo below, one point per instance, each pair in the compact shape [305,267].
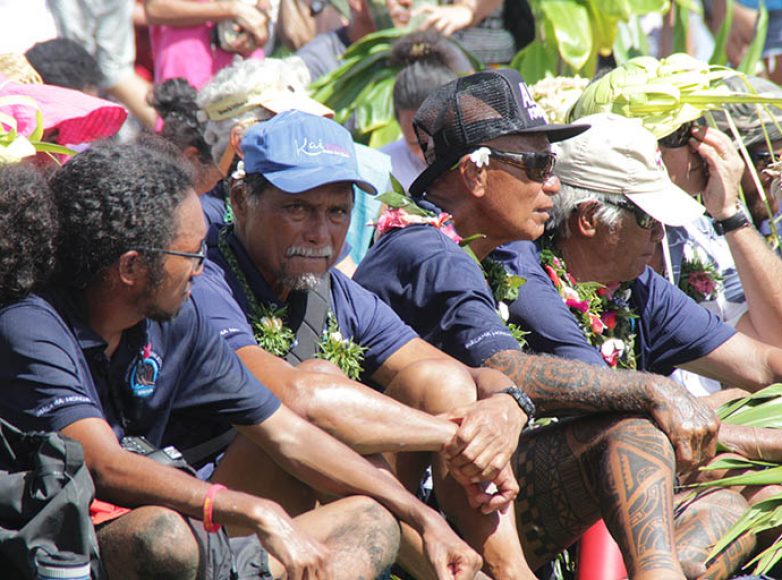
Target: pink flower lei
[397,218]
[603,312]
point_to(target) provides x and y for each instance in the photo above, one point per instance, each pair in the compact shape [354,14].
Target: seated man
[271,272]
[117,350]
[490,168]
[703,161]
[606,222]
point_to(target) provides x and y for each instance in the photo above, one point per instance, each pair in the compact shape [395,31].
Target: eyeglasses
[198,258]
[678,138]
[643,219]
[538,166]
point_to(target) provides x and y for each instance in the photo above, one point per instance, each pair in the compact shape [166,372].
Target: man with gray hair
[607,221]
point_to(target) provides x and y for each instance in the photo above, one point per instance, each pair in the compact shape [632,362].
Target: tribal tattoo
[569,386]
[701,520]
[574,472]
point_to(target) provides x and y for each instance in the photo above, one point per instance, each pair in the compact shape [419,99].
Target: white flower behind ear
[239,173]
[480,157]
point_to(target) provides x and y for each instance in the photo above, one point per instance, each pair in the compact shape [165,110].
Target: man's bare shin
[700,523]
[575,472]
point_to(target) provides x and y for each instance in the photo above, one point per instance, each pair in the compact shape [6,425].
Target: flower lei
[603,312]
[699,278]
[403,211]
[273,334]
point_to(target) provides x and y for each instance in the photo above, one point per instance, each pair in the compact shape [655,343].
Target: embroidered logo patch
[144,374]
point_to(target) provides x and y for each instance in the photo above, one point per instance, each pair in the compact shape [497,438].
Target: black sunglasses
[678,138]
[538,166]
[643,219]
[199,258]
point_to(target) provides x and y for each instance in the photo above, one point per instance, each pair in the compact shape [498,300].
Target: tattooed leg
[618,468]
[700,523]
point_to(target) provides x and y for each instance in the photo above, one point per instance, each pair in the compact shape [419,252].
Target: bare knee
[316,365]
[434,386]
[373,528]
[150,542]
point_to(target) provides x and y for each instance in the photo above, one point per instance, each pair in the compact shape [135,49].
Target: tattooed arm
[567,387]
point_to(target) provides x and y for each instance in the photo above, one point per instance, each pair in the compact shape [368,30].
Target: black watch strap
[522,400]
[734,222]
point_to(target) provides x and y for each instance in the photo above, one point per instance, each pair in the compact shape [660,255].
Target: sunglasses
[643,219]
[764,158]
[678,138]
[198,259]
[538,166]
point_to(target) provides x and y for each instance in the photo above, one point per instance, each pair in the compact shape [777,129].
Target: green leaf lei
[273,334]
[343,352]
[603,312]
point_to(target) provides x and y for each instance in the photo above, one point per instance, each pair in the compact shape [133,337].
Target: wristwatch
[522,400]
[734,222]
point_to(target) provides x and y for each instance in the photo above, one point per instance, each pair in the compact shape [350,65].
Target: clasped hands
[479,454]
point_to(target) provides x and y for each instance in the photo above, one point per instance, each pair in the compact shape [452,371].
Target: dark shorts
[225,558]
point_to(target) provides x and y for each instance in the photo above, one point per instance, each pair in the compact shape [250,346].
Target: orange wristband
[209,501]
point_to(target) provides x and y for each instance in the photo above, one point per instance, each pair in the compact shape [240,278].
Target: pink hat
[79,117]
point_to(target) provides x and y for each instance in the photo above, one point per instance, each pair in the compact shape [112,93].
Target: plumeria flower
[239,172]
[480,157]
[569,293]
[271,323]
[612,350]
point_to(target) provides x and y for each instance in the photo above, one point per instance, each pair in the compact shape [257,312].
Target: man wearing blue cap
[116,357]
[491,169]
[292,210]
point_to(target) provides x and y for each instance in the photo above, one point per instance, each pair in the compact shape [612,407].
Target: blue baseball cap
[297,151]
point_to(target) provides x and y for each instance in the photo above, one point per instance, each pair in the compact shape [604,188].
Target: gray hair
[567,201]
[241,78]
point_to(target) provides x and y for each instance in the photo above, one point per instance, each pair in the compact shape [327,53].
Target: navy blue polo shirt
[360,315]
[439,290]
[672,328]
[176,382]
[213,204]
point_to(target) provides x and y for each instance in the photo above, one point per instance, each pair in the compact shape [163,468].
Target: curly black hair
[112,199]
[28,222]
[65,63]
[175,102]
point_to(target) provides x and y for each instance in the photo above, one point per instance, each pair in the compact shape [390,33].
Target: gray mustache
[324,252]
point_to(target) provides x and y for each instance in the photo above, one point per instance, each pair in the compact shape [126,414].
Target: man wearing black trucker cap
[490,180]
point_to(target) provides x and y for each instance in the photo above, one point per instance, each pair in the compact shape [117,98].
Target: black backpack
[45,495]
